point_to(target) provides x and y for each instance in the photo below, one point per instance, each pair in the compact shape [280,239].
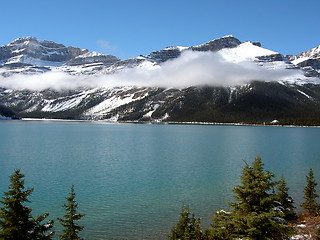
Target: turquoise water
[131,179]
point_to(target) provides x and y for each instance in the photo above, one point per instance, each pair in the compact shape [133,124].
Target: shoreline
[163,123]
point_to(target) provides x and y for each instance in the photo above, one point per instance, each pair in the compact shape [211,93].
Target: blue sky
[128,28]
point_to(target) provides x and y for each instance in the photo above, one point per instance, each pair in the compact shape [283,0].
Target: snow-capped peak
[22,39]
[29,41]
[304,56]
[246,51]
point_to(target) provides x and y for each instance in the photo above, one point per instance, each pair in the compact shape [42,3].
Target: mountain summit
[31,51]
[30,55]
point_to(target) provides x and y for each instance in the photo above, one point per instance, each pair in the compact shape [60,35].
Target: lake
[132,179]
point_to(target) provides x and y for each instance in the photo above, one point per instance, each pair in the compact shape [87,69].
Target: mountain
[272,86]
[308,61]
[30,55]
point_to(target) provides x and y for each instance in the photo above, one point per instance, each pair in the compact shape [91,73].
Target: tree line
[17,222]
[262,210]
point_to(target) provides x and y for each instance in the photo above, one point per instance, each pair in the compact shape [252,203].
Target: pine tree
[71,228]
[286,203]
[39,229]
[187,228]
[221,228]
[310,195]
[16,221]
[254,215]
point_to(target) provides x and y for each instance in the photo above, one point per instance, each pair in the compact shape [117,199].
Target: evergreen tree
[254,214]
[310,195]
[39,229]
[187,228]
[221,228]
[286,203]
[71,228]
[16,221]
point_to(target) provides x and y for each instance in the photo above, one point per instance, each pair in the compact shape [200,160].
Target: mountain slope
[259,102]
[6,113]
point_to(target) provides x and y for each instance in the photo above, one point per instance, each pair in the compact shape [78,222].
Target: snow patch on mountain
[244,52]
[31,61]
[90,54]
[116,98]
[304,56]
[62,104]
[299,60]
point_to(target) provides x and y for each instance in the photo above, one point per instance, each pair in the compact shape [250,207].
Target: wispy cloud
[190,69]
[106,46]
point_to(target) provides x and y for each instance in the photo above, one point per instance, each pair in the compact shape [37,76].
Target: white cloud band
[190,69]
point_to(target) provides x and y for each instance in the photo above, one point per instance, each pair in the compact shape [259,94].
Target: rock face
[311,66]
[91,58]
[165,54]
[290,101]
[273,58]
[218,44]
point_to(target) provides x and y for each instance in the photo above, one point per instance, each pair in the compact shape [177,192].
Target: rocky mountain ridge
[294,100]
[309,61]
[32,48]
[30,55]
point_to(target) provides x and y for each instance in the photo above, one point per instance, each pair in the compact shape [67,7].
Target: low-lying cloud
[190,69]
